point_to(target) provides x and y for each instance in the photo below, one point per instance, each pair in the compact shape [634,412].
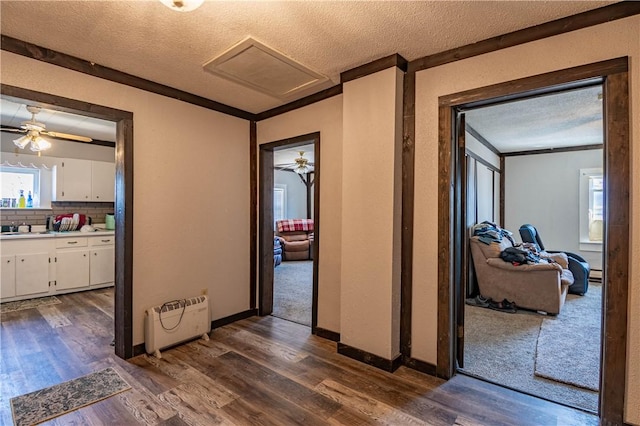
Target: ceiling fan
[301,165]
[33,132]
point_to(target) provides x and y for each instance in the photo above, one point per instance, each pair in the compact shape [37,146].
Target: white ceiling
[566,119]
[12,114]
[148,40]
[286,157]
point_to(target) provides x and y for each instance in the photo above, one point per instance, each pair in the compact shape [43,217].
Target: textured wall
[611,40]
[191,190]
[325,117]
[555,209]
[370,213]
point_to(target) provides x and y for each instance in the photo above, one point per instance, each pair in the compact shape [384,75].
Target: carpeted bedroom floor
[557,358]
[292,291]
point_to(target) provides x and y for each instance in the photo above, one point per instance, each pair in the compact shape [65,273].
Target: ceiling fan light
[40,144]
[301,170]
[22,141]
[182,5]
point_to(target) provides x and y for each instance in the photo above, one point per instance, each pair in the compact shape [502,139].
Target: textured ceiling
[565,119]
[147,39]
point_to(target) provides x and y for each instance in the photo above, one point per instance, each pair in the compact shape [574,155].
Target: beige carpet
[501,348]
[293,291]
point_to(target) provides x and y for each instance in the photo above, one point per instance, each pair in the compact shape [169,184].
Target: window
[15,179]
[596,211]
[591,209]
[279,202]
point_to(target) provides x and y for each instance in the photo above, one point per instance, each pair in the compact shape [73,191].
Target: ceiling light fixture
[38,143]
[182,5]
[33,129]
[301,165]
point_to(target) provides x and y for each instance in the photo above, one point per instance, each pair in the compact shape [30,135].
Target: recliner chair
[578,266]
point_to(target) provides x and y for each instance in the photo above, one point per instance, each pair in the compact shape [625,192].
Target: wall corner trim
[394,60]
[389,365]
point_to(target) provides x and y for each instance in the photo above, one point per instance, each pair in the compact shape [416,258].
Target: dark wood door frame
[614,76]
[123,315]
[265,213]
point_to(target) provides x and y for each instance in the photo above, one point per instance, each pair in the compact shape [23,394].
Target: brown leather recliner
[296,237]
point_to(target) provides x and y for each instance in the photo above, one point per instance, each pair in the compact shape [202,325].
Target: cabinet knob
[21,260]
[84,255]
[95,254]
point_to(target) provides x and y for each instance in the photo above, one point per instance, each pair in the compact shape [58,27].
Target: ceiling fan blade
[12,129]
[67,136]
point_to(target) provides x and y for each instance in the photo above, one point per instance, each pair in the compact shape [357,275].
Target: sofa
[296,237]
[578,266]
[540,287]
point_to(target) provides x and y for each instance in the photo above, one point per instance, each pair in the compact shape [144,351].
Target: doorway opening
[613,75]
[289,229]
[525,177]
[123,205]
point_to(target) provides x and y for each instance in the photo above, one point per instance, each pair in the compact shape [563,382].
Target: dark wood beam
[32,51]
[308,100]
[559,26]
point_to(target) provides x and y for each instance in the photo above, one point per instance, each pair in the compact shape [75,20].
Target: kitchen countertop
[53,234]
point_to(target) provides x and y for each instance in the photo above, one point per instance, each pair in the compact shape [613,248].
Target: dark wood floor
[257,371]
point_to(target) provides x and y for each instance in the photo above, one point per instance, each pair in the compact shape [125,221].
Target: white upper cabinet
[84,180]
[103,181]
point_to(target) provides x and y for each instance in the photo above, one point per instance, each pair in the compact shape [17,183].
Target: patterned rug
[45,404]
[21,305]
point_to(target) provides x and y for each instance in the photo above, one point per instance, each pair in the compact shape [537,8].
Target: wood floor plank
[374,409]
[54,317]
[257,371]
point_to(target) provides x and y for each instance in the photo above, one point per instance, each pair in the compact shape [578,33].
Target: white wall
[544,190]
[370,292]
[475,146]
[325,117]
[611,40]
[200,241]
[296,194]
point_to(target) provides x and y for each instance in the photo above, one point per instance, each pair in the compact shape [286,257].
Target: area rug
[21,305]
[293,291]
[501,348]
[39,406]
[559,354]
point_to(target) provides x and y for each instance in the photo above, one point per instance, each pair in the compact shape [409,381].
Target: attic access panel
[259,67]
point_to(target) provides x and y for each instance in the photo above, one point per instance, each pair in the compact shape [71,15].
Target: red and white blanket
[286,225]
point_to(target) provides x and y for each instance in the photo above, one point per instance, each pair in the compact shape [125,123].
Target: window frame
[35,191]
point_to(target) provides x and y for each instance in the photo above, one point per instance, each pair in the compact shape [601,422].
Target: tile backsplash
[96,211]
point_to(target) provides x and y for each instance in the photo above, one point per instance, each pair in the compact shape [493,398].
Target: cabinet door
[32,273]
[8,276]
[72,269]
[74,181]
[102,268]
[103,181]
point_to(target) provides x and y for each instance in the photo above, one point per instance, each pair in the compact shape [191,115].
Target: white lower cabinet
[8,276]
[102,269]
[32,273]
[36,267]
[26,268]
[72,269]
